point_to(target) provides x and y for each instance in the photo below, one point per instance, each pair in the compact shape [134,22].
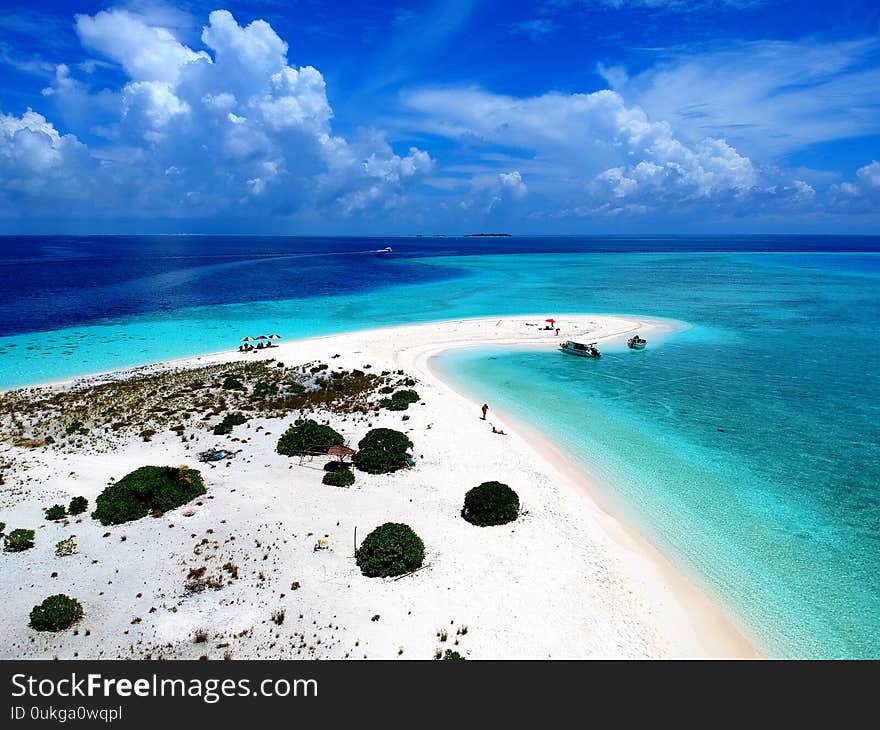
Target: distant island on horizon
[488,235]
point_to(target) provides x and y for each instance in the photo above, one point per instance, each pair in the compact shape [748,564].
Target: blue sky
[555,116]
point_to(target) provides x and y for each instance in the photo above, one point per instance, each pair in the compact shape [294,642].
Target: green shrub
[386,389]
[78,505]
[305,435]
[454,656]
[391,549]
[145,490]
[73,427]
[19,540]
[492,503]
[56,512]
[339,478]
[2,527]
[400,401]
[409,396]
[261,390]
[230,420]
[232,383]
[65,547]
[381,451]
[56,613]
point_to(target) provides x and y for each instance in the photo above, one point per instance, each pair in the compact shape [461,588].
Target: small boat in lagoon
[636,343]
[579,349]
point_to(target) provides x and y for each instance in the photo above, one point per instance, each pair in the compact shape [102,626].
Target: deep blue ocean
[747,447]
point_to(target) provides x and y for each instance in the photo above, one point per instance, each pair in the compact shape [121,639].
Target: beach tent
[341,452]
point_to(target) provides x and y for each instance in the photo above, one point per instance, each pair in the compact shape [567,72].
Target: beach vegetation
[400,400]
[382,450]
[230,420]
[232,383]
[2,528]
[391,549]
[65,547]
[339,478]
[263,390]
[73,427]
[308,436]
[56,512]
[56,613]
[145,490]
[453,656]
[491,503]
[78,505]
[19,540]
[148,403]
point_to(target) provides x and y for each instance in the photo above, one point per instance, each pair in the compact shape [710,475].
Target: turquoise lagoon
[746,447]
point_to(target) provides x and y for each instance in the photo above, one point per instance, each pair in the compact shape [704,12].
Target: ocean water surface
[747,447]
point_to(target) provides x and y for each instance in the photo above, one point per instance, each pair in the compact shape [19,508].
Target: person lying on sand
[498,431]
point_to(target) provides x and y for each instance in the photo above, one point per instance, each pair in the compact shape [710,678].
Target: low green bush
[491,503]
[2,527]
[78,505]
[454,656]
[230,420]
[382,450]
[262,390]
[339,478]
[145,490]
[56,613]
[391,549]
[56,512]
[400,400]
[306,435]
[19,540]
[231,383]
[65,547]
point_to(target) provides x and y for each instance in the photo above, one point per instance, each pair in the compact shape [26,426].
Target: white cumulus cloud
[230,128]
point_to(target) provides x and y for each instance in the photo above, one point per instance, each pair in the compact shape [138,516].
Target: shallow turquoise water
[747,446]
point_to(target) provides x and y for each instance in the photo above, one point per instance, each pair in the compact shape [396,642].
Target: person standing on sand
[484,409]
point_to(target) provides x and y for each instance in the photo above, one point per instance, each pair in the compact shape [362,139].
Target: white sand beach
[567,579]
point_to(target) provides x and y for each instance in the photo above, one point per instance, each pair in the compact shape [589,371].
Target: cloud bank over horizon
[229,130]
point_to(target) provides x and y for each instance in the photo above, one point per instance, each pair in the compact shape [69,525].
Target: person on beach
[500,432]
[484,409]
[557,331]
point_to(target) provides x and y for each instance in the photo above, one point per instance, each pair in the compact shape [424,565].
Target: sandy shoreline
[567,579]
